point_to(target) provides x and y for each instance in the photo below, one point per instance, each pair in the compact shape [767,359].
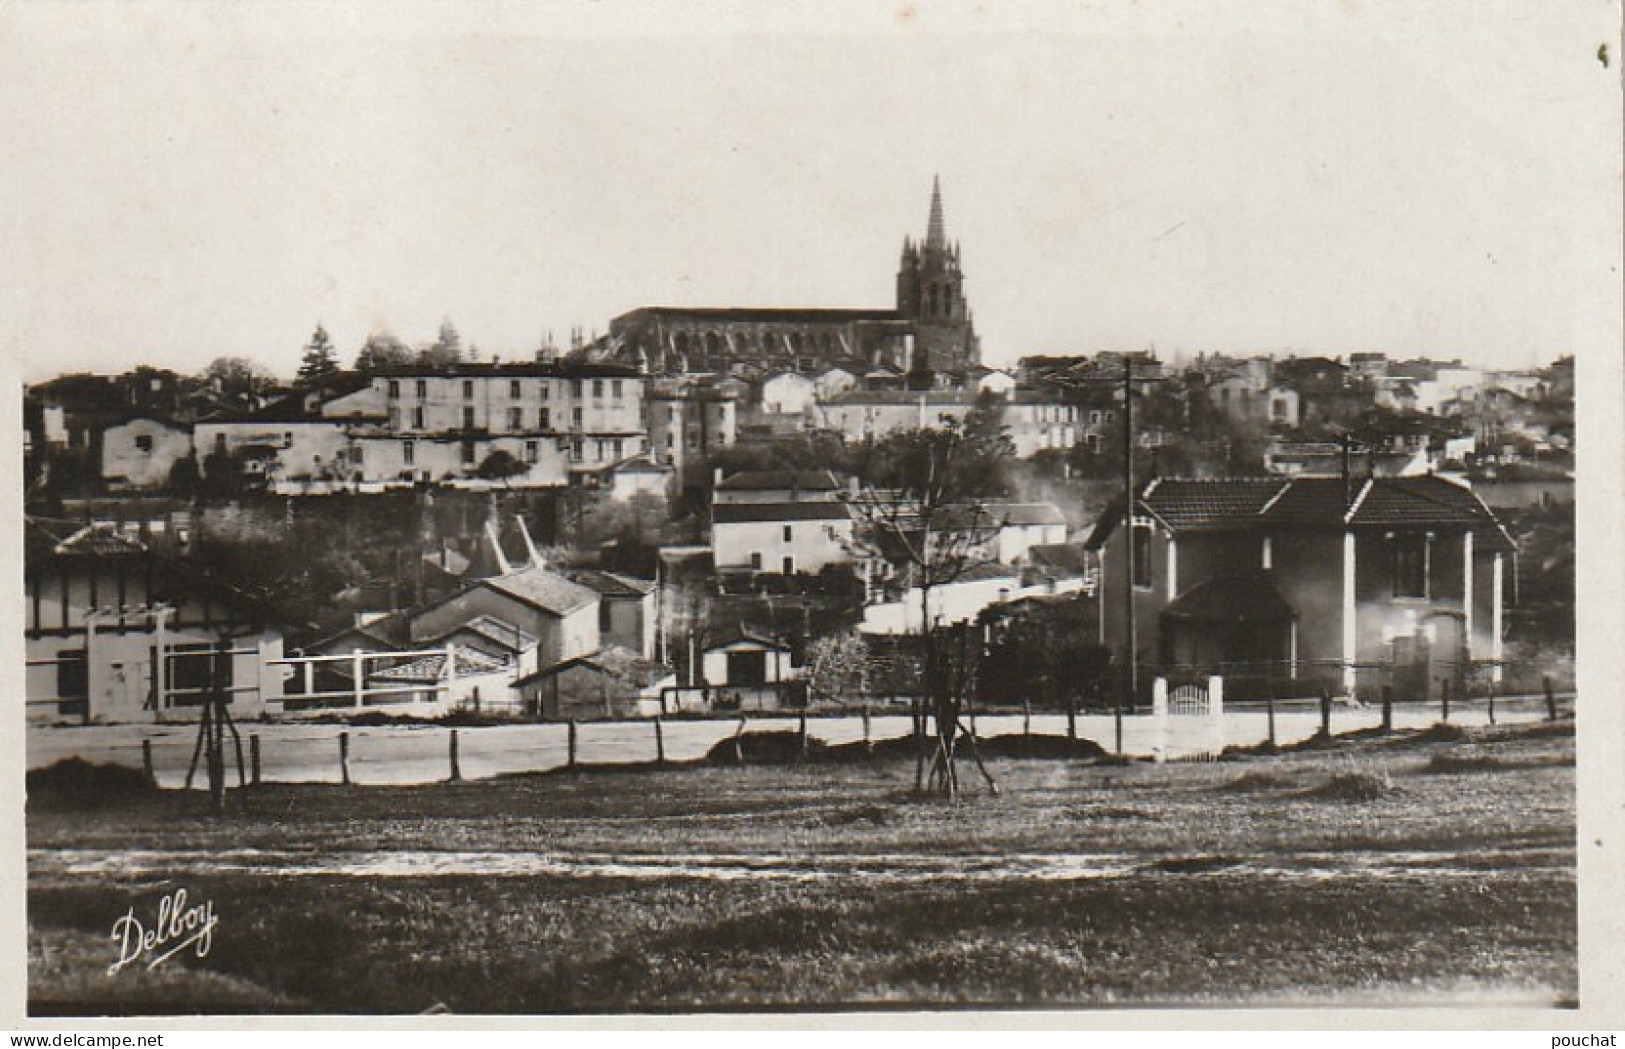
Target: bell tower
[931,294]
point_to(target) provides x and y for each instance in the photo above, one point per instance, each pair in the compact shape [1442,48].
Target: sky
[189,181]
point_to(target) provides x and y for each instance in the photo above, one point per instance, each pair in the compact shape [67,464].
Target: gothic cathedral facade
[927,339]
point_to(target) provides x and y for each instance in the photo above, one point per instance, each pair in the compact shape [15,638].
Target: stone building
[928,333]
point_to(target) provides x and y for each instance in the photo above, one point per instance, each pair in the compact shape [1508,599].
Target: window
[544,391]
[72,674]
[1142,555]
[422,388]
[606,621]
[575,417]
[357,454]
[542,420]
[417,417]
[394,388]
[143,443]
[576,447]
[516,418]
[575,388]
[671,440]
[220,444]
[1410,564]
[789,566]
[468,389]
[533,451]
[615,389]
[598,450]
[722,413]
[789,533]
[756,562]
[394,418]
[193,670]
[468,416]
[513,388]
[598,389]
[468,453]
[409,453]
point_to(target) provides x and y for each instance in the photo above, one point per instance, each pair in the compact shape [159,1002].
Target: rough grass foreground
[1416,871]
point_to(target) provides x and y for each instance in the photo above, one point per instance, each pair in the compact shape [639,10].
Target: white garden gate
[1190,720]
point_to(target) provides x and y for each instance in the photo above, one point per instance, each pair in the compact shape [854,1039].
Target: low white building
[787,393]
[114,634]
[1023,526]
[142,451]
[780,522]
[1034,420]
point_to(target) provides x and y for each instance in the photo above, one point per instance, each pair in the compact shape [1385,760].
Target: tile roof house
[561,615]
[612,683]
[115,631]
[626,608]
[780,521]
[1355,583]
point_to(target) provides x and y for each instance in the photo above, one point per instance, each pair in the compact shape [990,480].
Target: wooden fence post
[1072,716]
[660,743]
[572,757]
[344,757]
[1026,721]
[739,746]
[146,760]
[1387,708]
[1551,697]
[868,742]
[1492,705]
[254,759]
[1269,706]
[1325,711]
[456,766]
[1444,696]
[801,732]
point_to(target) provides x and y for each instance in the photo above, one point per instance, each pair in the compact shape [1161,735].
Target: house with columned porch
[1353,584]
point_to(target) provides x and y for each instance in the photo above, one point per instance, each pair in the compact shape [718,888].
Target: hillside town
[708,510]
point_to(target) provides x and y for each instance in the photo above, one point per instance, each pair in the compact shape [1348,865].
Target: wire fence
[305,752]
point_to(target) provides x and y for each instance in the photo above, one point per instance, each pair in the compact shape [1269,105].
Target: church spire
[935,236]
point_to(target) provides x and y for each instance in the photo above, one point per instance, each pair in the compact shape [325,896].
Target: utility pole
[1128,527]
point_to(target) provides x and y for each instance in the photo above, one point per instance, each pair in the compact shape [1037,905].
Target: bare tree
[924,512]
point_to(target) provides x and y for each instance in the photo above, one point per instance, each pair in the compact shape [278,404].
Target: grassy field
[1415,869]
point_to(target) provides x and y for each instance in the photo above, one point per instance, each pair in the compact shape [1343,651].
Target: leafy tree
[292,574]
[382,350]
[499,466]
[319,360]
[237,379]
[838,667]
[184,478]
[1047,651]
[446,349]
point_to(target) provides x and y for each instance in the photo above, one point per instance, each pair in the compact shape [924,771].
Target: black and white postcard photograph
[1062,512]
